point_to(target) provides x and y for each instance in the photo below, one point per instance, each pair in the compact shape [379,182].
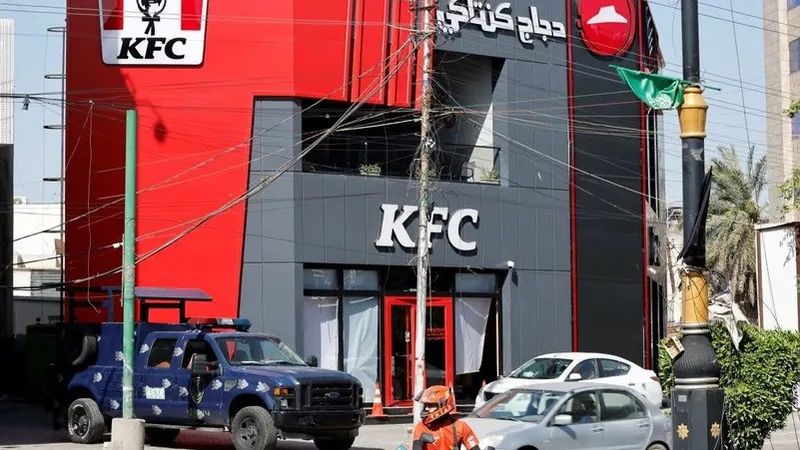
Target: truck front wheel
[253,429]
[85,423]
[334,444]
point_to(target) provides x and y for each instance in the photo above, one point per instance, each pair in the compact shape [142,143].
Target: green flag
[657,91]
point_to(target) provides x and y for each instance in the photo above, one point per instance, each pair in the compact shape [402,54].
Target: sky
[37,151]
[726,121]
[37,52]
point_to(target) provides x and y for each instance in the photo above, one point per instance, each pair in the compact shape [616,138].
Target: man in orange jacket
[438,429]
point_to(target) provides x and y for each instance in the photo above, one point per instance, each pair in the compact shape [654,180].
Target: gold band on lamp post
[695,297]
[692,113]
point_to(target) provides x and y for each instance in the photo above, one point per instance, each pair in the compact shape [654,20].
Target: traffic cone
[377,404]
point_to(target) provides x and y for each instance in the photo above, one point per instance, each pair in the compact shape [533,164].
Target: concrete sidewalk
[788,438]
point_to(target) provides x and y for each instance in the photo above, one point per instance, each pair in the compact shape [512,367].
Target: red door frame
[449,330]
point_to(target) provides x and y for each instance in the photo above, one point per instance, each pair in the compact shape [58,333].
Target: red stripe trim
[112,14]
[645,175]
[191,14]
[572,205]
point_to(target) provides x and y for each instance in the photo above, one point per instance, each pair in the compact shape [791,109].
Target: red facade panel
[369,62]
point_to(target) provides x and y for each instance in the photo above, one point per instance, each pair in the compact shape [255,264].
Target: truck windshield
[258,351]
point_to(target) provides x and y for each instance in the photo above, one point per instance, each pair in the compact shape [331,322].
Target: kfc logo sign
[393,226]
[607,26]
[153,32]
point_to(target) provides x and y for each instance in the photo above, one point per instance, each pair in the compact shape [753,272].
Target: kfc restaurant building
[547,178]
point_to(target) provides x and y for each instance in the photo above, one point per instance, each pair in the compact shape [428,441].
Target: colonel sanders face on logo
[151,8]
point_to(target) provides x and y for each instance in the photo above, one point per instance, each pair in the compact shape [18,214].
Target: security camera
[510,264]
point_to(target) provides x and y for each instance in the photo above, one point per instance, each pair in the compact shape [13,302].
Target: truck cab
[215,376]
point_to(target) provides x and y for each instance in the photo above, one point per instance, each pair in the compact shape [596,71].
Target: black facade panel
[608,211]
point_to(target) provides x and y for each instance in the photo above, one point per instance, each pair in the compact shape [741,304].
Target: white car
[600,367]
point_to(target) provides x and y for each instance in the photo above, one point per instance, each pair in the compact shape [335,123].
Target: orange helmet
[437,402]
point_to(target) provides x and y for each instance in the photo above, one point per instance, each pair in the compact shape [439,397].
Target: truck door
[196,398]
[155,362]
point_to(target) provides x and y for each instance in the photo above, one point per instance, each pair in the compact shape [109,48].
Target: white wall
[34,218]
[778,277]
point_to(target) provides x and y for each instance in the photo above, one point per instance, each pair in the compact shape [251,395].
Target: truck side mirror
[312,361]
[201,366]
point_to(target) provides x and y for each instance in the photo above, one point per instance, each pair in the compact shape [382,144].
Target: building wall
[194,130]
[6,173]
[36,263]
[335,219]
[782,87]
[207,133]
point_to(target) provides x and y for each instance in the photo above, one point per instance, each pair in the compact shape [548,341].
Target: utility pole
[128,262]
[697,397]
[428,9]
[127,429]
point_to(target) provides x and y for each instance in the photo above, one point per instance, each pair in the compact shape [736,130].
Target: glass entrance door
[399,332]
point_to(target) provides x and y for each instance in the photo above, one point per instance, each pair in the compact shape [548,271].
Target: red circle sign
[607,26]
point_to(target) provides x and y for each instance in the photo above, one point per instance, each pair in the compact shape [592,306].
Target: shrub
[759,381]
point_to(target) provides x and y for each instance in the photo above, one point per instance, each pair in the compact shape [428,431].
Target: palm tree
[734,211]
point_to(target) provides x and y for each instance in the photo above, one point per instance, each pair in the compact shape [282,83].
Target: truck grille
[330,396]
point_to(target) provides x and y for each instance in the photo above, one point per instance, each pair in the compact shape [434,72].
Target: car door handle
[597,429]
[644,425]
[631,384]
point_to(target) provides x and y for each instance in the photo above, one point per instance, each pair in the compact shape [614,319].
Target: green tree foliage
[733,212]
[759,382]
[790,189]
[794,108]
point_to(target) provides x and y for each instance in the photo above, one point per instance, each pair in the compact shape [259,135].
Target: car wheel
[161,435]
[657,447]
[334,444]
[85,422]
[253,429]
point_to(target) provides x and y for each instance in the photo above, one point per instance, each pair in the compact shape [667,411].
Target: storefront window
[360,330]
[321,330]
[472,315]
[320,279]
[361,280]
[482,283]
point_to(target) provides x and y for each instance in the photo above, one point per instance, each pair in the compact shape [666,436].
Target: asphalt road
[28,427]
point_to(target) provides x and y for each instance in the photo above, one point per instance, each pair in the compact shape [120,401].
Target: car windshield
[520,405]
[258,351]
[542,369]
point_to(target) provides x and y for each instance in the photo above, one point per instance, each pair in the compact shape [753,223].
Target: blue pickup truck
[213,375]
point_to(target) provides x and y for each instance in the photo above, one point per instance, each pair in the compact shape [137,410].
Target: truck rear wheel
[161,435]
[334,444]
[253,429]
[85,422]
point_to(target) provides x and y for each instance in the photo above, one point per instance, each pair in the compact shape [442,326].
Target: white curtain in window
[472,314]
[321,330]
[360,330]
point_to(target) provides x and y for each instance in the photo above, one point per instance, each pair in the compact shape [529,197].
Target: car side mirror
[312,361]
[574,377]
[562,420]
[427,438]
[201,366]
